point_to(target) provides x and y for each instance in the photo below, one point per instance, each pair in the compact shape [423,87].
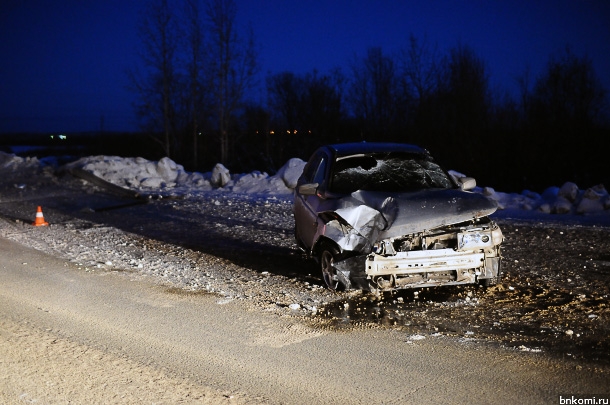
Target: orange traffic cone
[39,218]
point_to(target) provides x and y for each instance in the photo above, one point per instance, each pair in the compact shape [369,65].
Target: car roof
[346,149]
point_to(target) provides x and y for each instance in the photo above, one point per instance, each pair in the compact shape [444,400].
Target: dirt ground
[37,367]
[553,297]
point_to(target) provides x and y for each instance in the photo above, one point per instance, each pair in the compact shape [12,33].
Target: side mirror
[308,188]
[467,183]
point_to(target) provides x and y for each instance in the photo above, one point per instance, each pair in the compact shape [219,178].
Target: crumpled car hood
[377,216]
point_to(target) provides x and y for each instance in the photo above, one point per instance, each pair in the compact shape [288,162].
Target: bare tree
[565,112]
[525,91]
[464,95]
[457,114]
[231,68]
[322,104]
[158,87]
[372,94]
[285,90]
[569,92]
[195,64]
[419,68]
[466,81]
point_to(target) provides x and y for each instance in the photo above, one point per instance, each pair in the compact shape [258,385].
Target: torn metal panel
[366,220]
[353,228]
[342,233]
[378,216]
[354,265]
[427,209]
[351,272]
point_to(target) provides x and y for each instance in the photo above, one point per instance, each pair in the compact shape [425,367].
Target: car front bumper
[415,269]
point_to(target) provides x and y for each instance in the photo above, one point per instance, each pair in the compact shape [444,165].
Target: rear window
[388,172]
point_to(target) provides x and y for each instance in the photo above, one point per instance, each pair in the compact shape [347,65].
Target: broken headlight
[475,240]
[479,239]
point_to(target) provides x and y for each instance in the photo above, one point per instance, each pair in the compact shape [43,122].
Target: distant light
[272,132]
[52,136]
[62,136]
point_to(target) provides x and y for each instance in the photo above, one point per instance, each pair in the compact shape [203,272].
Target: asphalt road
[257,356]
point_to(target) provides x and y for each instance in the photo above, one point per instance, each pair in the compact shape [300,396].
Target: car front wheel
[327,257]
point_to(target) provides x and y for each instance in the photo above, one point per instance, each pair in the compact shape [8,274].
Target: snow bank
[168,177]
[13,162]
[142,174]
[568,199]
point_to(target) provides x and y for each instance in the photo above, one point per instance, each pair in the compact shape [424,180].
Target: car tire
[326,257]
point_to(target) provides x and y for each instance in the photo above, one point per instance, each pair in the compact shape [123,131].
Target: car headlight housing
[475,240]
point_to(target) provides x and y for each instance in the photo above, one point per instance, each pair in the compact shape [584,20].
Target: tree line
[198,72]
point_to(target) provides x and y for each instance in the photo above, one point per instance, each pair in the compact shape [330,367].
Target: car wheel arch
[324,242]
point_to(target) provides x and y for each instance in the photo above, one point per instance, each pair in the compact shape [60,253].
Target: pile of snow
[168,176]
[12,162]
[568,199]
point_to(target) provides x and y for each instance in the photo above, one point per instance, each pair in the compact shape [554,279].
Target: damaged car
[385,216]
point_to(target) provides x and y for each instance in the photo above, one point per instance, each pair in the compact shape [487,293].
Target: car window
[389,172]
[311,168]
[320,172]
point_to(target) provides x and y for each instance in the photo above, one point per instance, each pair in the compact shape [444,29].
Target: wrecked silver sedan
[386,216]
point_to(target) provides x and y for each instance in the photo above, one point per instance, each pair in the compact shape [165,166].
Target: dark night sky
[63,62]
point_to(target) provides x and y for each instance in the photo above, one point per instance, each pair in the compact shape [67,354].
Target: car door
[307,206]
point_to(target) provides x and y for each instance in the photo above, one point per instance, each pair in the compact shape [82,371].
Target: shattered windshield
[389,172]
